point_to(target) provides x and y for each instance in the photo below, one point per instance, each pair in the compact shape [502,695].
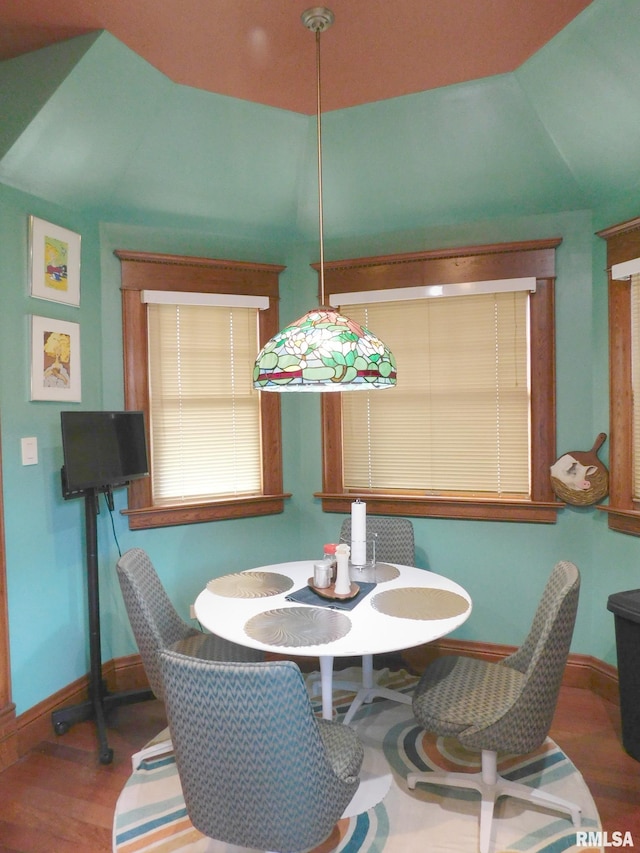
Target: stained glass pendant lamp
[323,350]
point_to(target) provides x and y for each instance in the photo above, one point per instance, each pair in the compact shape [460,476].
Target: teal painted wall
[43,533]
[144,164]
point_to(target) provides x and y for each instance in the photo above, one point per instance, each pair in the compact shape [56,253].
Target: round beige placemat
[379,573]
[418,602]
[385,572]
[250,584]
[298,626]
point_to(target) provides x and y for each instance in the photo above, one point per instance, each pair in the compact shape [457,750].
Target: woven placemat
[250,584]
[298,626]
[379,573]
[306,595]
[418,602]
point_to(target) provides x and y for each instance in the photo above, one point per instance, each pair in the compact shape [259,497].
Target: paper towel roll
[358,533]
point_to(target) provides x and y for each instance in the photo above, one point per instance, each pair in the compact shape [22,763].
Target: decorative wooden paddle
[579,477]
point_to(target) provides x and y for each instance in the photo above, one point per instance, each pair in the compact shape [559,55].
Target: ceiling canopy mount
[317,19]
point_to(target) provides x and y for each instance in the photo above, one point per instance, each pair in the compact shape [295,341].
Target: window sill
[196,513]
[471,509]
[622,520]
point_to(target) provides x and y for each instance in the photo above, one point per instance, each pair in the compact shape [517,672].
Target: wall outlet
[192,611]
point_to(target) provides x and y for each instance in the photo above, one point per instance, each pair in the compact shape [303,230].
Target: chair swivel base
[492,786]
[161,745]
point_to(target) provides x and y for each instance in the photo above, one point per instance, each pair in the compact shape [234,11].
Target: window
[192,329]
[623,262]
[459,418]
[469,431]
[204,415]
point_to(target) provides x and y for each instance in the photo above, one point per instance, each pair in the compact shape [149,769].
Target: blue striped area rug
[151,816]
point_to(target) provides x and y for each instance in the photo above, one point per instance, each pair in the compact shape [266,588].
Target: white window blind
[204,412]
[458,420]
[635,380]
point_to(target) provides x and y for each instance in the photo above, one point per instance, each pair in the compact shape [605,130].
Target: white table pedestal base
[370,690]
[365,693]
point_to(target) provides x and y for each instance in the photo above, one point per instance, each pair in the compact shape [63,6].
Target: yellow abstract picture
[54,257]
[56,254]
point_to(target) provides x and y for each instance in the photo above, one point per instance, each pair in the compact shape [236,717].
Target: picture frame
[54,262]
[55,360]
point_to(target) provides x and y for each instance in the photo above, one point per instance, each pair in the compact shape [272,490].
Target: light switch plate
[29,448]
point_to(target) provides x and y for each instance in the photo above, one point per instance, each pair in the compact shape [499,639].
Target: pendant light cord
[320,201]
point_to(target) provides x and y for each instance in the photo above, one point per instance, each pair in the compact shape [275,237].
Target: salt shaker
[322,574]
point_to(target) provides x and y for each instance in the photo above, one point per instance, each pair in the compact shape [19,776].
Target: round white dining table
[407,607]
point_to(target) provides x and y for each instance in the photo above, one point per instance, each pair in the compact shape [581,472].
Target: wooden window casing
[623,244]
[145,271]
[479,263]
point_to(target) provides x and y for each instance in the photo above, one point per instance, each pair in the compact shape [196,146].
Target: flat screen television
[102,450]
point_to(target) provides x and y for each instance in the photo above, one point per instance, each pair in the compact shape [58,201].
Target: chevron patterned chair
[156,625]
[257,768]
[394,539]
[503,707]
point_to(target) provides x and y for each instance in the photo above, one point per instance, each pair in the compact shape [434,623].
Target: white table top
[370,631]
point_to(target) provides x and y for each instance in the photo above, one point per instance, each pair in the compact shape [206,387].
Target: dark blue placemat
[307,596]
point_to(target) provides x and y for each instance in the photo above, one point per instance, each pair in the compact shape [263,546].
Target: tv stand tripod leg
[96,688]
[100,701]
[105,753]
[93,709]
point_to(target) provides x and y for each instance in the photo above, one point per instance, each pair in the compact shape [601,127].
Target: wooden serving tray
[330,591]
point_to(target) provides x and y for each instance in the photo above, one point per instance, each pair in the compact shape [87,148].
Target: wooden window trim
[623,244]
[205,275]
[477,263]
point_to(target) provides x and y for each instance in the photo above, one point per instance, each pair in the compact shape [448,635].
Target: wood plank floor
[59,799]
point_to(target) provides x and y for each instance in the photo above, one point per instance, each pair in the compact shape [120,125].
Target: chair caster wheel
[61,728]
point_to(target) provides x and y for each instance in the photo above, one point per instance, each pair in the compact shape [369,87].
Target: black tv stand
[100,702]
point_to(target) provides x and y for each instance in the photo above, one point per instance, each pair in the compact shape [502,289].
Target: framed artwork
[55,360]
[54,262]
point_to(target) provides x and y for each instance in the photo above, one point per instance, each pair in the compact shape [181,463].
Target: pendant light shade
[323,350]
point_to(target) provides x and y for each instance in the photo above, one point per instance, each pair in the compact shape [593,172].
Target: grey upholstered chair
[394,538]
[257,768]
[395,543]
[156,624]
[503,707]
